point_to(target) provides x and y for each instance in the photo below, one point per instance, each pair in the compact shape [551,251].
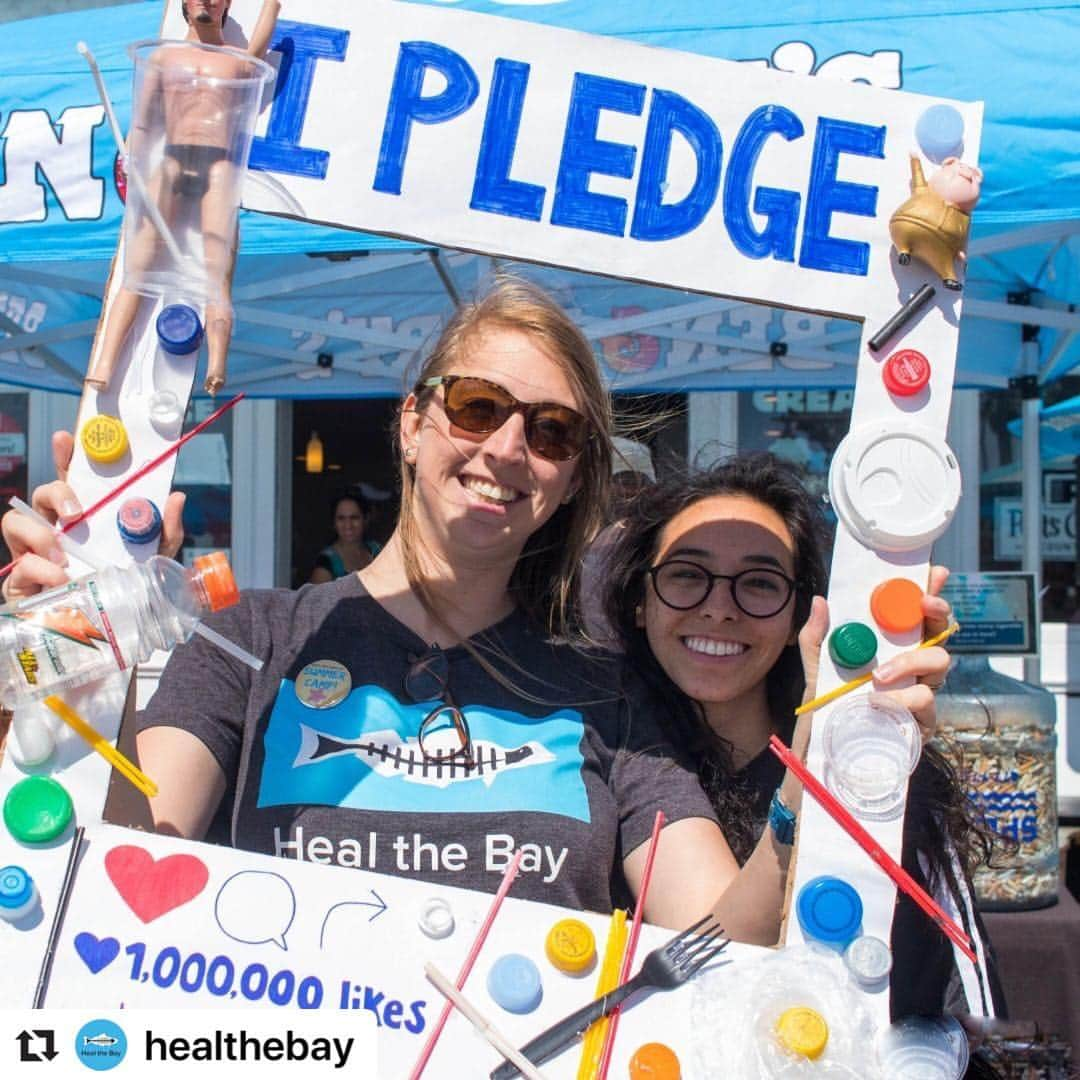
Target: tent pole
[1032,484]
[445,278]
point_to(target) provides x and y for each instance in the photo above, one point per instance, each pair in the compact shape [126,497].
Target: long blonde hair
[544,580]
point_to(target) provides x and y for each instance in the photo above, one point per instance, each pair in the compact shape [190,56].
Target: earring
[410,453]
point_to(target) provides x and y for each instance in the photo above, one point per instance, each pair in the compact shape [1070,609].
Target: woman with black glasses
[715,583]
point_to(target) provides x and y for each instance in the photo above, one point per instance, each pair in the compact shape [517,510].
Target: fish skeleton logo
[101,1039]
[390,755]
[364,754]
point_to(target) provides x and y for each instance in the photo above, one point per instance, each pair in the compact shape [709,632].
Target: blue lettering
[493,190]
[407,103]
[653,219]
[583,154]
[827,195]
[301,46]
[780,207]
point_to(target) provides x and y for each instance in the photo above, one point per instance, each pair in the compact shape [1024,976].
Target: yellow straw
[102,745]
[593,1046]
[862,680]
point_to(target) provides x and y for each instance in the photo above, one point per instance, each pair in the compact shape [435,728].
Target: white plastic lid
[436,918]
[894,484]
[924,1048]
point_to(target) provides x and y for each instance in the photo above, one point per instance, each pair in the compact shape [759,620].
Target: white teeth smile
[714,648]
[488,490]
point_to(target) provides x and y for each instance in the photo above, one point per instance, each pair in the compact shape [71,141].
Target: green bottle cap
[37,810]
[852,645]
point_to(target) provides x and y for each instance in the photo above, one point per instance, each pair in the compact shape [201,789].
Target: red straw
[138,474]
[900,877]
[631,945]
[474,952]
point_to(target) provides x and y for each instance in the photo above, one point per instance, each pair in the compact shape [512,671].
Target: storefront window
[13,425]
[204,474]
[1000,502]
[800,426]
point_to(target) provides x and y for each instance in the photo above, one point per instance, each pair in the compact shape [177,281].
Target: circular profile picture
[100,1045]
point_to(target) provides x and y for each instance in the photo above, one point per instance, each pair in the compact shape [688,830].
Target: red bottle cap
[906,372]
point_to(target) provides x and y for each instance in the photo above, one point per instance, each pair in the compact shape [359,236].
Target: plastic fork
[664,968]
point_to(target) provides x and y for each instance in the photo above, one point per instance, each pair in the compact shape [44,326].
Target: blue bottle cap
[514,983]
[179,329]
[16,887]
[138,520]
[940,131]
[829,911]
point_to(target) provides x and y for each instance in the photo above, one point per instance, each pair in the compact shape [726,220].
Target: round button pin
[803,1031]
[104,439]
[896,605]
[323,684]
[514,983]
[906,373]
[37,810]
[570,946]
[852,645]
[829,911]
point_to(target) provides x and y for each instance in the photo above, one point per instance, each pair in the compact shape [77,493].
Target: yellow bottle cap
[104,439]
[802,1031]
[655,1061]
[570,946]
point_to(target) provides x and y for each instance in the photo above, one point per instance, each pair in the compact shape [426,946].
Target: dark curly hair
[944,810]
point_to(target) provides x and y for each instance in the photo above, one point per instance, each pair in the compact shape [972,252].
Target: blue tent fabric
[372,324]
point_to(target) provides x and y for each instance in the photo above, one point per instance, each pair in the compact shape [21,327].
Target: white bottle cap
[436,919]
[895,485]
[868,959]
[30,742]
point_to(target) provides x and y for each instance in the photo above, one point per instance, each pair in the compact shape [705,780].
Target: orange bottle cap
[217,579]
[654,1061]
[896,605]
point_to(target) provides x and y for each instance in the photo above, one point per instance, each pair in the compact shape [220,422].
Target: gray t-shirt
[575,779]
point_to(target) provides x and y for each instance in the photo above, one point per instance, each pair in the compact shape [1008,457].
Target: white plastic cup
[871,745]
[924,1048]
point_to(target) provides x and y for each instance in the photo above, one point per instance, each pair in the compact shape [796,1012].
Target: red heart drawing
[153,887]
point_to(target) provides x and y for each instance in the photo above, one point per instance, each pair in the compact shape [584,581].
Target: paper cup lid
[894,485]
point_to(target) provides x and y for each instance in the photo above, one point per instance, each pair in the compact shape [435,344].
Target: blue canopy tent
[347,323]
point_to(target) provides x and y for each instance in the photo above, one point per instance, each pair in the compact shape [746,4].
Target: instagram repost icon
[100,1045]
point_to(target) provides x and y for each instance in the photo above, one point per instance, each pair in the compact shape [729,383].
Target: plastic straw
[228,646]
[631,944]
[69,545]
[862,680]
[900,877]
[138,474]
[482,1024]
[129,168]
[98,743]
[592,1047]
[58,919]
[466,968]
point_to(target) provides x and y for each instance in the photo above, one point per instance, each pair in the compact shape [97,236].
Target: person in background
[711,581]
[350,551]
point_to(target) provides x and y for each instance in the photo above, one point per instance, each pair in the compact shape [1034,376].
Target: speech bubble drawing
[254,907]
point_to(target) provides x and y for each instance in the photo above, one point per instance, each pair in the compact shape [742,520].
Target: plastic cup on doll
[871,746]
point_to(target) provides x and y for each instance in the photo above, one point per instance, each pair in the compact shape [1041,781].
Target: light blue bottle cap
[514,983]
[829,911]
[940,131]
[16,888]
[179,330]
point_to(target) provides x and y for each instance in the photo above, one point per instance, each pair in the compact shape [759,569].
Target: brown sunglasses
[479,406]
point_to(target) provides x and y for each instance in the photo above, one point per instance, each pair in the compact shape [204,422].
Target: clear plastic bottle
[1004,731]
[105,622]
